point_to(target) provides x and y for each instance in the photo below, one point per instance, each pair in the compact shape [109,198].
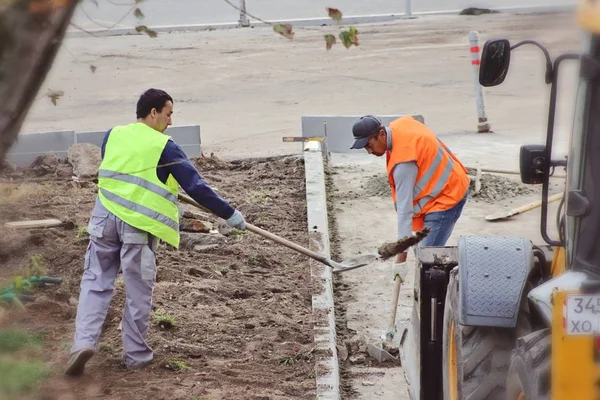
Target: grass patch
[259,197]
[82,232]
[163,319]
[20,377]
[287,360]
[236,233]
[177,365]
[12,340]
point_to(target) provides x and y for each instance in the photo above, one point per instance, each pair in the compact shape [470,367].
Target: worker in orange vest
[429,184]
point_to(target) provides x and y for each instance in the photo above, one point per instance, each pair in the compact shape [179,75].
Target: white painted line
[352,19]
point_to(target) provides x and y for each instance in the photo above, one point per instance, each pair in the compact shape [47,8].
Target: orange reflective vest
[442,180]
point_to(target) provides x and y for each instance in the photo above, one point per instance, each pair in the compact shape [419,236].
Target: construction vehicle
[501,317]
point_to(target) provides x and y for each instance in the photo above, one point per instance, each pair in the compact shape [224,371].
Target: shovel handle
[268,235]
[287,243]
[398,283]
[536,204]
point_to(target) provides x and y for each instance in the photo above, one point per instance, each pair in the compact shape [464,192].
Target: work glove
[399,270]
[237,221]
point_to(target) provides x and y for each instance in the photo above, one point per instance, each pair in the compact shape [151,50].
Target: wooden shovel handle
[268,235]
[536,204]
[398,283]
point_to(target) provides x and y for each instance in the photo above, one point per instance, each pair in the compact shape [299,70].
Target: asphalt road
[100,14]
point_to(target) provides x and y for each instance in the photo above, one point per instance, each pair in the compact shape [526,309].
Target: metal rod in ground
[243,17]
[407,9]
[482,121]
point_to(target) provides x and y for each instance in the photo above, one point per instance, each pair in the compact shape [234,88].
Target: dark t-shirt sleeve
[174,161]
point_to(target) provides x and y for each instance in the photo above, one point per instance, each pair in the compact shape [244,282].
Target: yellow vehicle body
[575,368]
[575,359]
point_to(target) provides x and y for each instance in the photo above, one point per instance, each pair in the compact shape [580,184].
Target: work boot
[76,363]
[135,367]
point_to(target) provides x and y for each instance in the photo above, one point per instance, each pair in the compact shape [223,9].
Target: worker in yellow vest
[138,184]
[429,184]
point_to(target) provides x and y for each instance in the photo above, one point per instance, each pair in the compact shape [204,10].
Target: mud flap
[493,272]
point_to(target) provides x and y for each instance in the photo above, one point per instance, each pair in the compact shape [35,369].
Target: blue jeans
[442,224]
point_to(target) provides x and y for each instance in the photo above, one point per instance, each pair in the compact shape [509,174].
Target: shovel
[343,266]
[519,210]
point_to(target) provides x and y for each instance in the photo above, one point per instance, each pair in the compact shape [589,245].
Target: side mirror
[495,60]
[533,163]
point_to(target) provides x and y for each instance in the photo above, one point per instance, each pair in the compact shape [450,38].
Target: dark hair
[152,98]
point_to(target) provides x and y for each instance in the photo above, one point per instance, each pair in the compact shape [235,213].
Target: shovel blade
[354,263]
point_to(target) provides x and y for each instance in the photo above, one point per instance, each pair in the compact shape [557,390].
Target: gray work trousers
[116,245]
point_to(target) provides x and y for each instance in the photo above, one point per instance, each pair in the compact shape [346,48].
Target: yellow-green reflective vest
[129,187]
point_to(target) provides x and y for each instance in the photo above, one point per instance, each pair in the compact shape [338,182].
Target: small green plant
[287,360]
[254,259]
[82,232]
[163,319]
[12,340]
[177,365]
[20,377]
[236,233]
[36,266]
[222,268]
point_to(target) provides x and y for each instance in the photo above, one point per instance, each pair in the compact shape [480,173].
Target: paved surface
[366,222]
[247,89]
[185,12]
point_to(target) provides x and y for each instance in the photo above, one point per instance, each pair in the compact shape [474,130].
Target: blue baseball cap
[363,129]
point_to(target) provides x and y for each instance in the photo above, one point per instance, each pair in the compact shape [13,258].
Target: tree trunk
[31,32]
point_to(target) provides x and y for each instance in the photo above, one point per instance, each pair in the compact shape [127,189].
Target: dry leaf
[146,30]
[330,41]
[138,13]
[284,30]
[54,95]
[334,13]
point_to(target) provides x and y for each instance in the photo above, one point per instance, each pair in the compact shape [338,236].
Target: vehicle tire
[475,359]
[530,368]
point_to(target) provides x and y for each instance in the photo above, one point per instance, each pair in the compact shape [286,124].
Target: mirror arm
[549,69]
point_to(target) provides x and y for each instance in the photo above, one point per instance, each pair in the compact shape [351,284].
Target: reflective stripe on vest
[426,179]
[136,180]
[163,219]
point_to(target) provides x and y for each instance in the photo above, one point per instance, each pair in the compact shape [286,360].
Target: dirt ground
[242,311]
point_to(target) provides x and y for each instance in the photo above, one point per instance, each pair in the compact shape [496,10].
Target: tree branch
[31,32]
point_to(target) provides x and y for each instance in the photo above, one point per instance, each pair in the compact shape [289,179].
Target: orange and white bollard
[482,124]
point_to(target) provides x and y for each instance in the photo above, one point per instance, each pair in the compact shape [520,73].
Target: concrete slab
[30,146]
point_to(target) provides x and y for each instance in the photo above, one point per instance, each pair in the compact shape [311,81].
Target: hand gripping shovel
[349,264]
